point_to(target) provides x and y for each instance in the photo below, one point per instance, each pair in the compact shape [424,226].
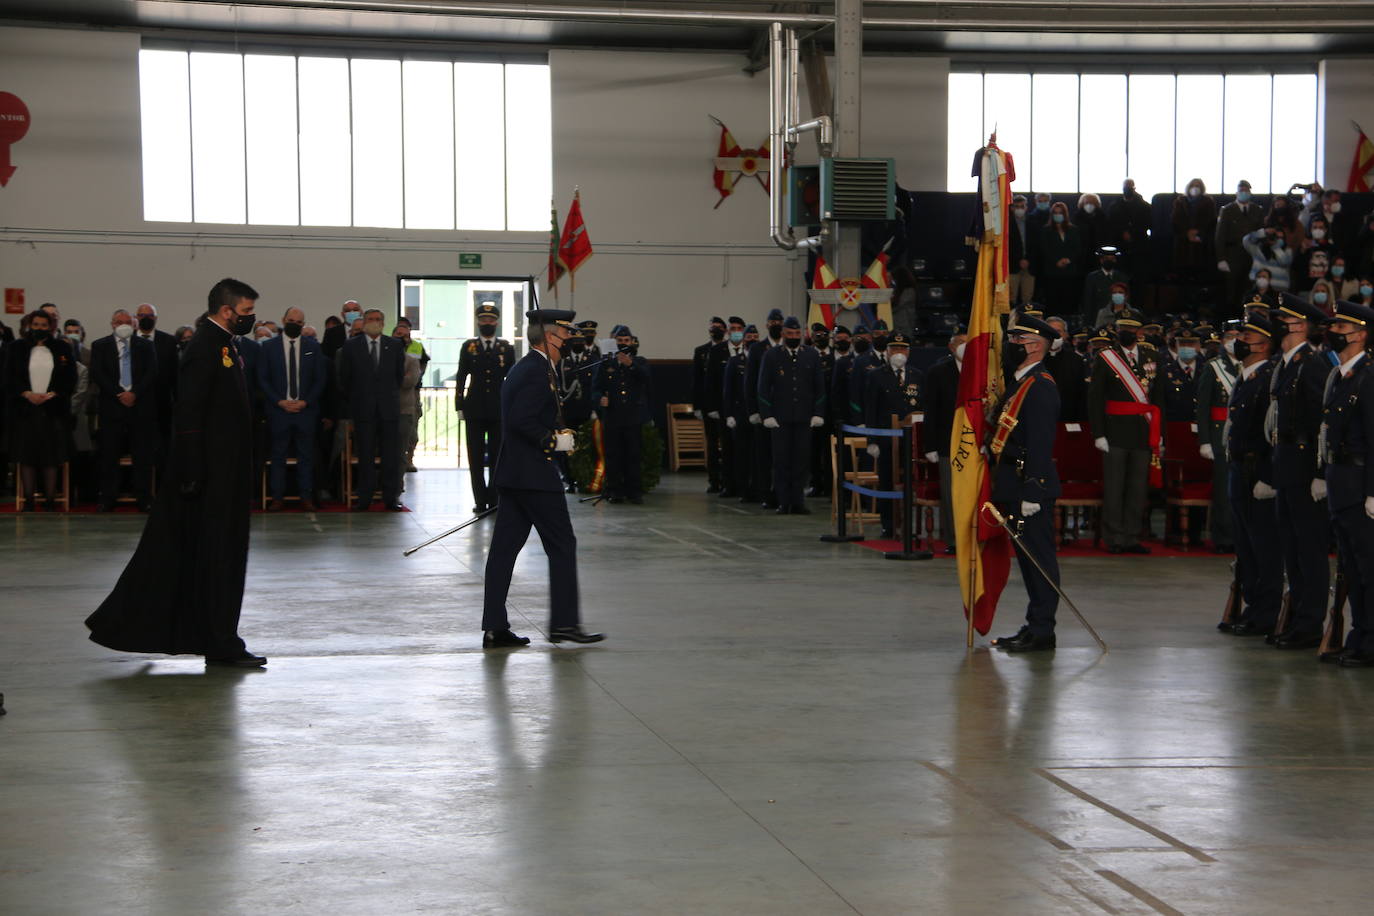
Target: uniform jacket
[857,378]
[165,345]
[1176,391]
[1025,470]
[486,370]
[883,396]
[751,380]
[733,402]
[1211,392]
[1247,445]
[1070,371]
[791,385]
[1097,292]
[1132,432]
[578,370]
[1234,223]
[1348,430]
[708,368]
[372,393]
[839,389]
[626,389]
[1296,392]
[529,417]
[142,371]
[939,398]
[311,374]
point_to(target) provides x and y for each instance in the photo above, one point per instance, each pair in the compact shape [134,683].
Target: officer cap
[1298,307]
[1033,310]
[1243,184]
[718,321]
[1232,324]
[839,329]
[620,331]
[1353,312]
[1259,323]
[486,308]
[1080,335]
[1107,251]
[1101,336]
[1128,319]
[792,323]
[1029,324]
[860,329]
[588,325]
[898,339]
[1187,334]
[735,319]
[751,329]
[563,318]
[775,315]
[1152,326]
[879,325]
[819,328]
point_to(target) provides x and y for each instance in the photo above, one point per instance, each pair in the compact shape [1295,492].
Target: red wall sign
[14,301]
[14,124]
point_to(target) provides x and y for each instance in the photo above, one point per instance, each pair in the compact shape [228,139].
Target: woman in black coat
[40,376]
[1062,260]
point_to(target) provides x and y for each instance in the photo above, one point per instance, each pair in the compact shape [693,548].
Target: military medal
[224,358]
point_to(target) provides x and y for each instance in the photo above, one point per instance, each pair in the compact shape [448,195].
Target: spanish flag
[982,548]
[1362,169]
[877,277]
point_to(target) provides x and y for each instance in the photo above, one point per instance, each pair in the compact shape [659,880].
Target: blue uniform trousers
[1258,561]
[547,513]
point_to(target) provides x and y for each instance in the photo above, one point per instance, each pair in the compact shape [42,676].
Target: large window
[1075,132]
[284,140]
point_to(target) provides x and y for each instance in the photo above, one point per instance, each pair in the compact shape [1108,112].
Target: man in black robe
[183,588]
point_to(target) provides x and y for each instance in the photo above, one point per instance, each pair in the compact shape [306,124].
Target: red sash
[1152,413]
[1221,414]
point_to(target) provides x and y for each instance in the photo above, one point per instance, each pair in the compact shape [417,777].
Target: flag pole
[572,279]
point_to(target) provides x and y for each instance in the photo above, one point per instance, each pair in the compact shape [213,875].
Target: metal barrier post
[838,494]
[908,551]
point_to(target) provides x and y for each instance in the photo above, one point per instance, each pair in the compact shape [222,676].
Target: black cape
[182,590]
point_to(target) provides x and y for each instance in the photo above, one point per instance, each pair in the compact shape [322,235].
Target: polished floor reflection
[775,725]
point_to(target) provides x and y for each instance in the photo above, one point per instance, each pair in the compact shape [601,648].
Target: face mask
[1336,207]
[1229,346]
[1319,298]
[147,323]
[1338,270]
[1195,191]
[1240,350]
[487,330]
[820,341]
[242,324]
[74,338]
[350,317]
[736,336]
[1319,234]
[124,331]
[1187,354]
[717,333]
[959,352]
[1279,208]
[1058,217]
[880,343]
[842,346]
[1056,345]
[1118,298]
[1366,290]
[1261,283]
[1089,208]
[1018,212]
[792,342]
[372,328]
[1127,191]
[577,345]
[634,349]
[1042,205]
[38,335]
[1243,196]
[1126,338]
[1014,354]
[1278,241]
[775,332]
[292,329]
[1109,263]
[1335,342]
[861,346]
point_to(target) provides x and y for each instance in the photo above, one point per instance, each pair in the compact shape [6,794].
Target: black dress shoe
[570,488]
[1001,641]
[615,500]
[478,509]
[636,500]
[815,492]
[1331,658]
[1250,629]
[885,535]
[784,510]
[727,493]
[712,489]
[105,507]
[770,504]
[799,509]
[1135,548]
[396,507]
[1041,642]
[246,660]
[1357,660]
[1294,640]
[501,639]
[1116,550]
[950,551]
[1226,627]
[574,634]
[358,507]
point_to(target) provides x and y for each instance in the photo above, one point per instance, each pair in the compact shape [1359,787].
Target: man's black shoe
[1294,640]
[1226,627]
[1029,643]
[1116,550]
[637,500]
[885,534]
[800,509]
[246,660]
[950,551]
[1135,548]
[615,500]
[713,488]
[574,634]
[1357,660]
[105,507]
[1250,629]
[784,510]
[770,503]
[815,492]
[478,509]
[570,488]
[501,639]
[727,493]
[1332,658]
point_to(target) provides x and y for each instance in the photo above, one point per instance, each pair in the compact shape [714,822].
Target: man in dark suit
[482,368]
[761,443]
[822,441]
[124,369]
[731,461]
[531,492]
[620,392]
[292,376]
[708,375]
[165,345]
[336,335]
[1070,371]
[1025,483]
[892,388]
[735,408]
[792,403]
[370,368]
[1235,221]
[938,401]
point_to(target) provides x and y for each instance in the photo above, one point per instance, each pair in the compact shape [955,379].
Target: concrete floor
[775,725]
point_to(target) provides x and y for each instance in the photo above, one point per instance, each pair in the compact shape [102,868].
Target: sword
[439,537]
[1016,539]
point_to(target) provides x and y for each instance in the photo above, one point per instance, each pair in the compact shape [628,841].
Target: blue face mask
[736,336]
[1118,298]
[1243,196]
[1319,298]
[1042,205]
[350,317]
[1058,217]
[1338,270]
[1187,354]
[1367,291]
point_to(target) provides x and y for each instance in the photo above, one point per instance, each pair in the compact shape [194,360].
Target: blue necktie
[126,372]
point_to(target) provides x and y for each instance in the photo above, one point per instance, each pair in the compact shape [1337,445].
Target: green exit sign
[469,262]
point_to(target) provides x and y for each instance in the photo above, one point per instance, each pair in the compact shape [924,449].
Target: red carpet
[130,509]
[1082,548]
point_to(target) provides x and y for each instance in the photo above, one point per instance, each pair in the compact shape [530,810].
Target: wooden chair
[350,464]
[686,438]
[855,514]
[65,499]
[1080,479]
[1187,477]
[127,461]
[266,473]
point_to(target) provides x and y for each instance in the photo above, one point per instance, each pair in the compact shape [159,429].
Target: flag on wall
[555,269]
[851,301]
[575,245]
[1362,169]
[982,548]
[732,162]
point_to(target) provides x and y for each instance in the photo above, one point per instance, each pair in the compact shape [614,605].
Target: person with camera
[530,489]
[621,395]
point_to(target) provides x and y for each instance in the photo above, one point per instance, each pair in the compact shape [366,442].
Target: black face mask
[820,341]
[1155,341]
[147,323]
[1126,338]
[1013,354]
[717,334]
[792,342]
[860,346]
[38,336]
[487,330]
[880,344]
[1109,264]
[243,324]
[1240,349]
[842,346]
[577,345]
[634,350]
[775,331]
[1335,342]
[292,329]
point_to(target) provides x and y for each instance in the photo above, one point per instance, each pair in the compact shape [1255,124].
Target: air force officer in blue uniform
[530,488]
[291,376]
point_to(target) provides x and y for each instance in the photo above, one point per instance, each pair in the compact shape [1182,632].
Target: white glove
[1101,443]
[873,450]
[1029,509]
[770,423]
[1318,490]
[817,421]
[755,419]
[1223,267]
[1262,490]
[713,414]
[563,442]
[729,422]
[933,457]
[1205,450]
[697,414]
[1369,506]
